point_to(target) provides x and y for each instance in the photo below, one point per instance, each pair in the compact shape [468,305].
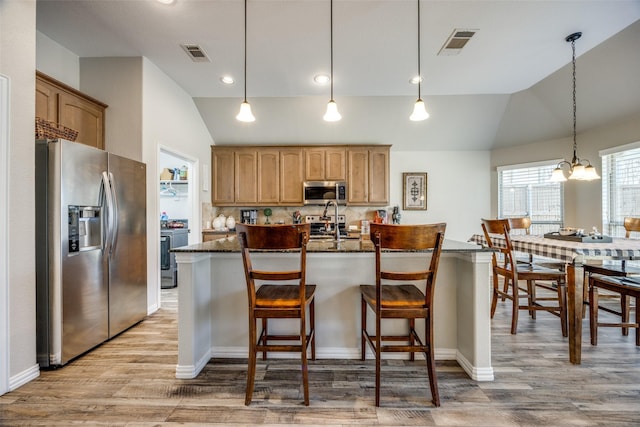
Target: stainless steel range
[173,236]
[324,226]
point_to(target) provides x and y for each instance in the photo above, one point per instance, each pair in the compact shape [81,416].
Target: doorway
[177,204]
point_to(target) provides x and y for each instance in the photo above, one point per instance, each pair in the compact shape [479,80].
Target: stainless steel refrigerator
[91,248]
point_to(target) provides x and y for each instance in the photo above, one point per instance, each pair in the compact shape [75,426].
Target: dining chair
[504,265]
[523,225]
[626,287]
[281,294]
[614,269]
[396,295]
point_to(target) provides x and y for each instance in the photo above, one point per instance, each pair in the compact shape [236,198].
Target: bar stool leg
[263,340]
[312,324]
[251,366]
[363,327]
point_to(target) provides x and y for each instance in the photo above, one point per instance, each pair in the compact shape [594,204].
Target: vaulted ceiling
[509,85]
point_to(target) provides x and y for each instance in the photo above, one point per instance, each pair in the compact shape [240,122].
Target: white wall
[458,184]
[17,62]
[118,83]
[170,120]
[60,63]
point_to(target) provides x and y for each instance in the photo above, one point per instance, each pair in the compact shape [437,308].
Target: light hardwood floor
[130,381]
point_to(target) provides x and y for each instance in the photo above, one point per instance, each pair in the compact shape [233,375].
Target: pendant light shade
[245,114]
[579,169]
[332,114]
[419,109]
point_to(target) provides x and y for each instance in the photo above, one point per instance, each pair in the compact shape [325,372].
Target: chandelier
[580,169]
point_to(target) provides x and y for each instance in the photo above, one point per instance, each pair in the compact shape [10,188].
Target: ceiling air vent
[456,41]
[195,52]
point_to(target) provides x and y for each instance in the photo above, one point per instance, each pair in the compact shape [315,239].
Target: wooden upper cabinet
[358,181]
[291,176]
[222,176]
[368,175]
[268,176]
[68,107]
[379,176]
[46,101]
[84,116]
[246,177]
[273,175]
[325,164]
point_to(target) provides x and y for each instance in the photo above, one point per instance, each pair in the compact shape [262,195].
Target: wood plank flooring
[130,381]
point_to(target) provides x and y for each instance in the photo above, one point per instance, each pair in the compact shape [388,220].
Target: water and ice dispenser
[85,228]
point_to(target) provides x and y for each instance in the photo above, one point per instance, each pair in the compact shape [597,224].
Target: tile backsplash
[282,214]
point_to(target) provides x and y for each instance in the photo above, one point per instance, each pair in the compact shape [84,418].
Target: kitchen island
[213,313]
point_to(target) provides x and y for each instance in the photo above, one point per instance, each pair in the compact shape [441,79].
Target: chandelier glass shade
[578,169]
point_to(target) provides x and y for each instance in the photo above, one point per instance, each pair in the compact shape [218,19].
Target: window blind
[526,191]
[620,189]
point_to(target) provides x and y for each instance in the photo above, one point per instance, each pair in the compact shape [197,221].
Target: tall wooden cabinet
[69,107]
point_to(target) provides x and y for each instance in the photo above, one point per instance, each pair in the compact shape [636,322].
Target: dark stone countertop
[230,244]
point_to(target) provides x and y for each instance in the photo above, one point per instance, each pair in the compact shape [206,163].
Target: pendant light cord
[331,26]
[245,50]
[573,61]
[419,73]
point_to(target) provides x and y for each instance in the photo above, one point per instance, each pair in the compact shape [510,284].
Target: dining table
[574,251]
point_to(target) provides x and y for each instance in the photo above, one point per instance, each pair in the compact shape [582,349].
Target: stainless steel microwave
[321,192]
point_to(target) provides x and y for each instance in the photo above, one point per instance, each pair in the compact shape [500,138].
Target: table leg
[574,303]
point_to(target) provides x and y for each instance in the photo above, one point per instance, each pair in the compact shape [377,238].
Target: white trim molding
[4,227]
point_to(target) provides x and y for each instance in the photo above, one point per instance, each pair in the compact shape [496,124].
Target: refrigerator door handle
[116,214]
[108,193]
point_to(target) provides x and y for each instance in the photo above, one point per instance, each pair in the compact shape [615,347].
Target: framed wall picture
[414,191]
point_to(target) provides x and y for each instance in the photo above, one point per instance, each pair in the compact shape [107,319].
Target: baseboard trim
[24,377]
[477,374]
[187,372]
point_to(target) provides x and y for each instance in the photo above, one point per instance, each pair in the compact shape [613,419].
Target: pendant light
[419,110]
[332,114]
[580,169]
[245,114]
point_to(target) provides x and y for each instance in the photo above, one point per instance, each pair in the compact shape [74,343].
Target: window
[620,187]
[525,190]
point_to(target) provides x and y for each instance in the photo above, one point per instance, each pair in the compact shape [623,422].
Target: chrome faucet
[336,229]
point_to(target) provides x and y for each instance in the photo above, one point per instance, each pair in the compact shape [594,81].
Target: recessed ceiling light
[415,80]
[166,1]
[228,80]
[321,79]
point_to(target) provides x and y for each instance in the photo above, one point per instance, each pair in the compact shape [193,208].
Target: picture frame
[414,191]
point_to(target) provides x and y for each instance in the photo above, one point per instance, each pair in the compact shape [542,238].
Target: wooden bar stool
[400,298]
[278,299]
